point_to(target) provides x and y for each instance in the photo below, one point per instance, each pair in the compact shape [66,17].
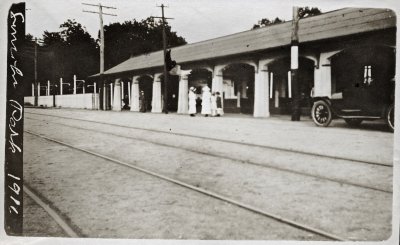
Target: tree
[133,38]
[304,12]
[266,22]
[27,63]
[70,51]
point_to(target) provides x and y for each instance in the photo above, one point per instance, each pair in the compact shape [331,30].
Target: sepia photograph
[199,121]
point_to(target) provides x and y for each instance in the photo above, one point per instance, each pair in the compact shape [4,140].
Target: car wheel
[321,113]
[353,122]
[390,117]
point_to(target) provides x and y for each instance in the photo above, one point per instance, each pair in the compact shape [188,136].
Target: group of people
[211,103]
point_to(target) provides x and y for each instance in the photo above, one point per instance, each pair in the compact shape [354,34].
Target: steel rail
[223,140]
[203,191]
[53,214]
[282,169]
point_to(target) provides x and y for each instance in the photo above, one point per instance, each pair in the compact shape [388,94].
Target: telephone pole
[294,65]
[100,13]
[165,109]
[35,67]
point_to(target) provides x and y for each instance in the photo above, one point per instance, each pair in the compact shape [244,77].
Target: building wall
[79,101]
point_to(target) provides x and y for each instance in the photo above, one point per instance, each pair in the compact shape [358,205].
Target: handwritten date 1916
[13,208]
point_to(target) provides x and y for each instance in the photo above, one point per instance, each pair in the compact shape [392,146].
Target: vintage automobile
[368,100]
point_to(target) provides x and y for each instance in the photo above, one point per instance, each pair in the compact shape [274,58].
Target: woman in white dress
[206,101]
[192,101]
[213,105]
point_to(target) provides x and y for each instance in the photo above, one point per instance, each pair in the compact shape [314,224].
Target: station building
[252,68]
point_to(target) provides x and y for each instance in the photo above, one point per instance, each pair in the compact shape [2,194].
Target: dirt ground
[37,222]
[106,200]
[114,202]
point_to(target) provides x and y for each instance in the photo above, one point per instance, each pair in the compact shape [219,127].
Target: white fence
[81,101]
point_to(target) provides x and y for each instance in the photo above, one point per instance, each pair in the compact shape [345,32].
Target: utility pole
[54,92]
[294,65]
[35,67]
[165,109]
[100,13]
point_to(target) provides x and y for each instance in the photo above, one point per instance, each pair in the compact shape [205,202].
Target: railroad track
[290,150]
[53,213]
[220,156]
[206,192]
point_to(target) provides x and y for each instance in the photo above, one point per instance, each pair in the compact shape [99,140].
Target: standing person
[220,112]
[142,103]
[213,105]
[192,101]
[206,101]
[126,103]
[198,103]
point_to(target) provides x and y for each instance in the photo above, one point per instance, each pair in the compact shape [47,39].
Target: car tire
[353,122]
[321,113]
[389,117]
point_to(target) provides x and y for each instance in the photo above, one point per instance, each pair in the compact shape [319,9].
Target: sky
[194,20]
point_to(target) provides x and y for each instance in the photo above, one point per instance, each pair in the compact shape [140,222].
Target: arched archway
[106,95]
[146,85]
[198,78]
[172,93]
[125,92]
[238,88]
[280,93]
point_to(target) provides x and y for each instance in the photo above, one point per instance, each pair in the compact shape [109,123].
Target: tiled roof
[333,24]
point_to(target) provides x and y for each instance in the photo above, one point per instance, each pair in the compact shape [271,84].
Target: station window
[229,89]
[367,75]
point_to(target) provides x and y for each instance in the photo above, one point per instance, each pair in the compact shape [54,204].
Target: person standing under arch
[142,103]
[213,105]
[192,101]
[218,101]
[206,101]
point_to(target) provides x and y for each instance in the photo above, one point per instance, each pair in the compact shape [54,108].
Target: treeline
[72,51]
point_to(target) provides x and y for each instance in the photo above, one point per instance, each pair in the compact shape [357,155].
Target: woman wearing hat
[192,101]
[206,101]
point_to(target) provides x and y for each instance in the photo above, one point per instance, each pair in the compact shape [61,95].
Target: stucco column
[322,75]
[117,95]
[104,96]
[135,94]
[261,91]
[217,80]
[33,89]
[183,97]
[38,87]
[61,86]
[74,84]
[122,88]
[48,87]
[111,94]
[156,105]
[129,93]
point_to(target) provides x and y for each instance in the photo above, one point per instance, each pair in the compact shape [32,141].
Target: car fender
[326,99]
